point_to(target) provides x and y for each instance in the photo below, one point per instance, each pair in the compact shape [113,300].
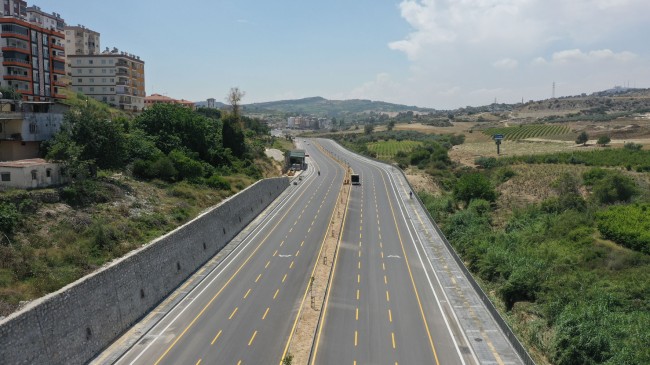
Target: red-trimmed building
[162,99]
[33,59]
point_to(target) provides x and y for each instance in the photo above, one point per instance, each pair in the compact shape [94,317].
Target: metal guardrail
[505,328]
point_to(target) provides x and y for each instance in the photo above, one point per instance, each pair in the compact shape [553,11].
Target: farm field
[528,131]
[388,149]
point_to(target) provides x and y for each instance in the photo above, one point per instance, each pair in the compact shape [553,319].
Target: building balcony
[16,35]
[17,77]
[15,61]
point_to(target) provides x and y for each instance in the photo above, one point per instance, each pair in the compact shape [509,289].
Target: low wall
[74,324]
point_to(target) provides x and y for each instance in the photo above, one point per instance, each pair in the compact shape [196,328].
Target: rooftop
[23,163]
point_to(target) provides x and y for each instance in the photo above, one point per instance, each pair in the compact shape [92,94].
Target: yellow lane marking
[258,278]
[309,230]
[408,266]
[390,316]
[382,254]
[297,253]
[275,253]
[215,338]
[381,245]
[233,313]
[276,293]
[357,315]
[355,338]
[359,253]
[265,313]
[392,335]
[198,362]
[291,266]
[239,362]
[291,229]
[281,243]
[359,265]
[383,266]
[387,296]
[284,278]
[327,295]
[360,235]
[358,278]
[247,292]
[385,280]
[357,294]
[302,243]
[255,334]
[267,264]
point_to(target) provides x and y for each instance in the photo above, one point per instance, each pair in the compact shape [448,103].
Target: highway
[386,305]
[244,311]
[396,296]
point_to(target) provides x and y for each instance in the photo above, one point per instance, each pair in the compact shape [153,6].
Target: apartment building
[15,8]
[44,20]
[81,41]
[152,99]
[113,77]
[33,59]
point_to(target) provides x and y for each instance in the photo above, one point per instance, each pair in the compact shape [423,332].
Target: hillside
[319,106]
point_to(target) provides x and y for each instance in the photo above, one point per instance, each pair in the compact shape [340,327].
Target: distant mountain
[328,108]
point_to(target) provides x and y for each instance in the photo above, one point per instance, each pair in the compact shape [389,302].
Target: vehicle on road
[355,179]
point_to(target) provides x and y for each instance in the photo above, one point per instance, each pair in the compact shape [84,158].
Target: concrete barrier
[74,324]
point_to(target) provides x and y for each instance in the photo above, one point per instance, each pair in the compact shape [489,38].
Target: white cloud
[506,63]
[587,45]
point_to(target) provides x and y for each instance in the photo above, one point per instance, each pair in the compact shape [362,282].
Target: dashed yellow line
[265,313]
[302,243]
[383,266]
[281,243]
[392,335]
[390,316]
[253,337]
[355,338]
[247,292]
[275,253]
[198,362]
[387,296]
[215,338]
[359,265]
[358,278]
[291,265]
[357,314]
[297,253]
[233,313]
[258,278]
[276,293]
[385,280]
[284,278]
[267,264]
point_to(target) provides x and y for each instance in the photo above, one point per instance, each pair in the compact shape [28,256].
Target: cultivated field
[524,131]
[388,149]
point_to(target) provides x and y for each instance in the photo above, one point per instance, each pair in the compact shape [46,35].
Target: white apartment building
[81,40]
[113,77]
[44,20]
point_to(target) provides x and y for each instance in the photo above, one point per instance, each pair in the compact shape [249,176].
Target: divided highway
[396,296]
[244,311]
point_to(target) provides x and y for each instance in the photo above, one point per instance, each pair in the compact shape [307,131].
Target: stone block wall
[74,324]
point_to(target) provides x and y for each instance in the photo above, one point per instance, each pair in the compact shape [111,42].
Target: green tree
[603,140]
[233,136]
[615,187]
[474,186]
[582,139]
[390,125]
[9,218]
[368,128]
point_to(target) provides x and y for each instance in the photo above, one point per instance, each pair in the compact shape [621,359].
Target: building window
[32,128]
[90,70]
[5,176]
[34,175]
[103,70]
[112,89]
[80,89]
[104,80]
[79,80]
[92,89]
[90,62]
[78,62]
[92,80]
[103,62]
[112,80]
[48,173]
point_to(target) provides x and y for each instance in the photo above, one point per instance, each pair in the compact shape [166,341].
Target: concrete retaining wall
[74,324]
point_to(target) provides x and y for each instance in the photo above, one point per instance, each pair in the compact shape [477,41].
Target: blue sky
[430,53]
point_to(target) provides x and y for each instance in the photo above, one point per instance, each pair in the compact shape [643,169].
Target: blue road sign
[498,136]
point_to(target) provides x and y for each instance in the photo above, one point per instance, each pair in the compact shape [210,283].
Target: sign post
[497,139]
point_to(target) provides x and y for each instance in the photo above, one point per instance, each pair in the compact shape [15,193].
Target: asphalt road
[244,311]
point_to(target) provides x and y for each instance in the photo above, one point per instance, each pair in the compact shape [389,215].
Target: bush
[186,167]
[633,146]
[218,182]
[603,140]
[9,218]
[614,188]
[627,225]
[474,186]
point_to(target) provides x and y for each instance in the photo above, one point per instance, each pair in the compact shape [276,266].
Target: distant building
[163,99]
[33,59]
[15,8]
[113,77]
[212,103]
[25,124]
[44,20]
[30,174]
[291,122]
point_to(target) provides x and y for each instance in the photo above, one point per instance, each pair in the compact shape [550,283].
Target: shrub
[603,140]
[582,138]
[614,188]
[627,225]
[218,182]
[474,186]
[9,218]
[633,146]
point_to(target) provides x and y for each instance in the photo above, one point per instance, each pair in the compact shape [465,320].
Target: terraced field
[388,149]
[529,131]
